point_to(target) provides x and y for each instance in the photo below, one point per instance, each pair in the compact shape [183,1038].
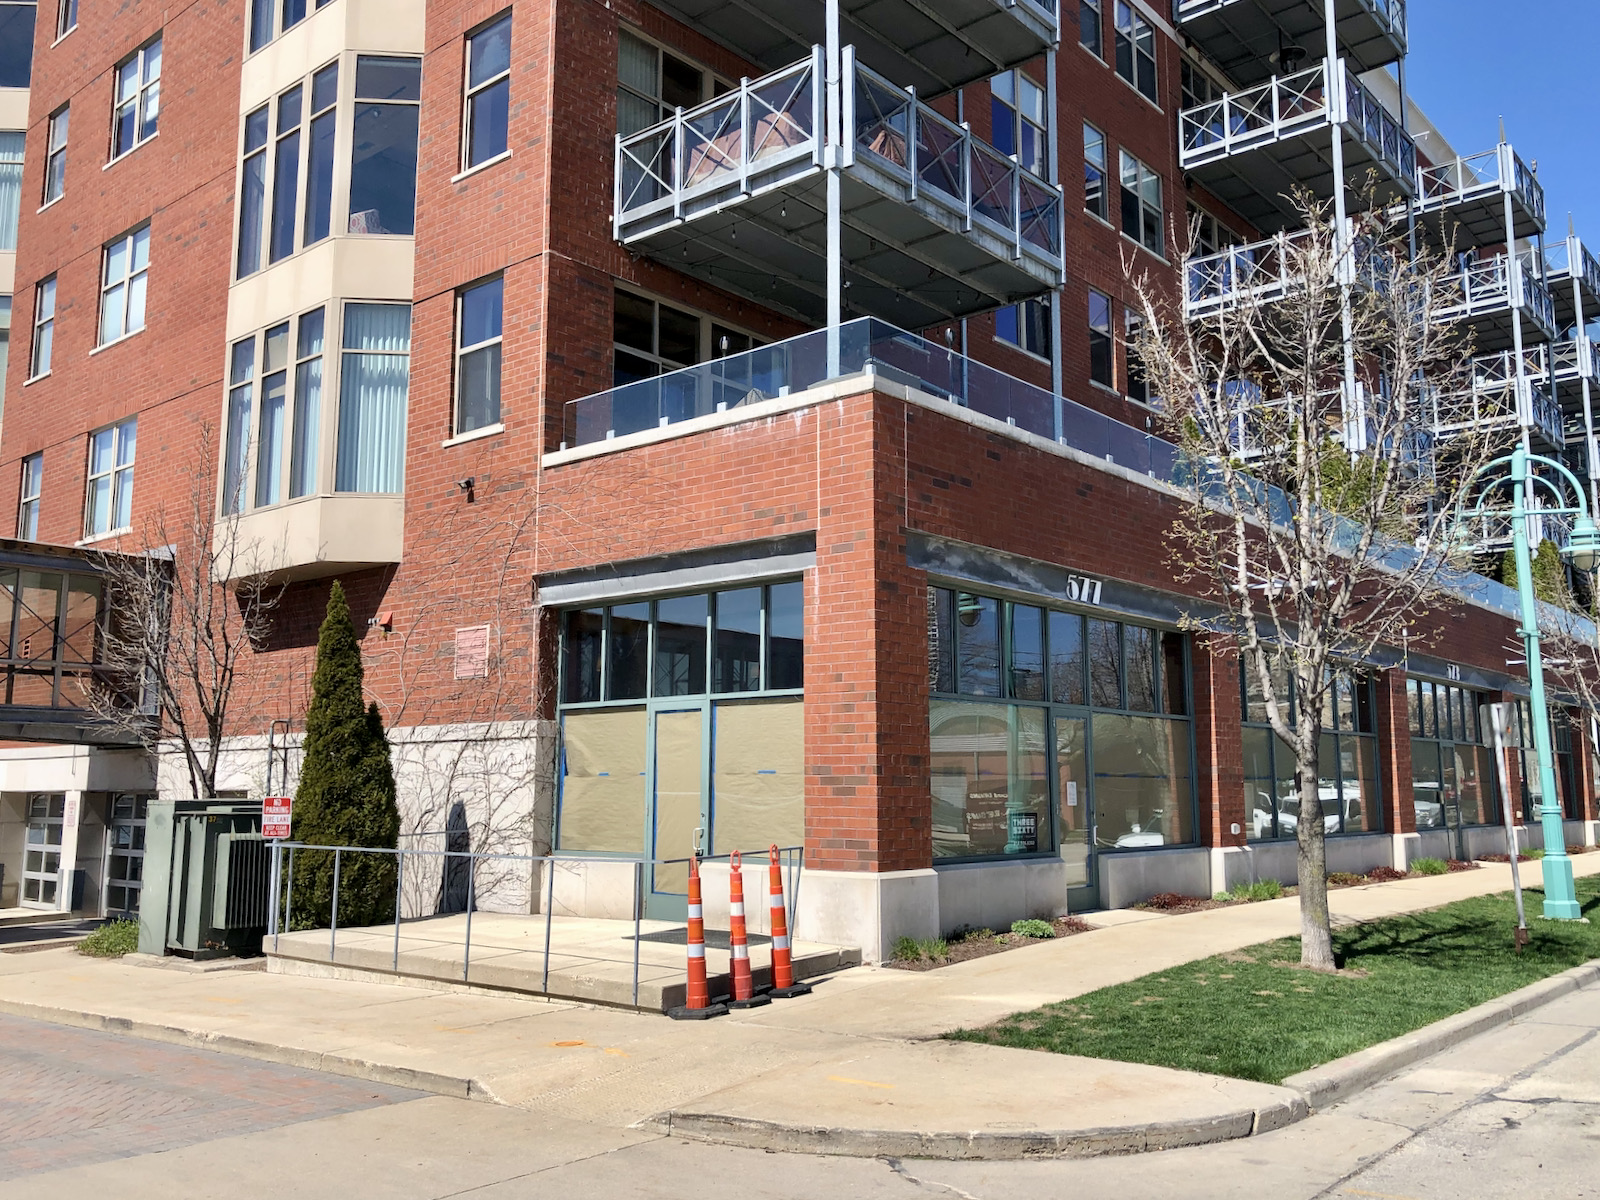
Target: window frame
[705,340]
[1425,726]
[1138,35]
[471,92]
[27,80]
[358,102]
[243,494]
[1150,214]
[1101,167]
[265,148]
[146,93]
[14,170]
[1085,7]
[32,473]
[115,473]
[276,25]
[1025,318]
[1102,338]
[463,352]
[66,17]
[126,283]
[44,291]
[712,84]
[55,154]
[1009,99]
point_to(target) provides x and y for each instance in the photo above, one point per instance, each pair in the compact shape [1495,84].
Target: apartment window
[1141,205]
[122,286]
[1136,50]
[319,155]
[306,426]
[374,379]
[16,42]
[28,505]
[269,18]
[236,454]
[55,157]
[478,325]
[1100,341]
[1197,87]
[383,163]
[1090,27]
[253,191]
[651,338]
[1017,107]
[1026,326]
[282,368]
[1135,385]
[109,506]
[5,345]
[66,17]
[488,103]
[651,83]
[44,327]
[1210,234]
[286,173]
[1094,173]
[1452,766]
[10,188]
[278,141]
[138,100]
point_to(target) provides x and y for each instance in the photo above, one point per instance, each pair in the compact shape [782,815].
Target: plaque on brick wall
[472,652]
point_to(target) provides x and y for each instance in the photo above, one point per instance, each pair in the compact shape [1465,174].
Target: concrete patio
[590,960]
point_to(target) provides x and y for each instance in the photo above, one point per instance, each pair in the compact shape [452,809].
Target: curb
[977,1144]
[288,1056]
[1344,1077]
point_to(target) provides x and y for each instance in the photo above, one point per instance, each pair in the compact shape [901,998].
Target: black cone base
[753,1002]
[798,989]
[682,1013]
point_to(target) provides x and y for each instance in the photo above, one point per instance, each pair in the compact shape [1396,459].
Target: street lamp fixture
[1583,548]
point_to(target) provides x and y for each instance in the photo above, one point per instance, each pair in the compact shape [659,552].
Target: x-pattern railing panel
[1256,116]
[782,115]
[883,118]
[939,154]
[992,179]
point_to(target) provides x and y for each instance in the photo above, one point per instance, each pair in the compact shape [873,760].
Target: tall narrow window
[651,83]
[1090,28]
[253,192]
[1094,173]
[307,405]
[138,99]
[274,411]
[261,22]
[1018,119]
[488,103]
[1136,386]
[109,505]
[241,397]
[66,17]
[10,188]
[1100,342]
[1141,205]
[478,356]
[1026,326]
[286,173]
[5,345]
[55,158]
[122,288]
[373,382]
[44,327]
[383,165]
[28,506]
[16,42]
[319,154]
[1136,50]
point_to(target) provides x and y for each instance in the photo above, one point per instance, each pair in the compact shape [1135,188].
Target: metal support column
[1580,334]
[1052,141]
[1524,393]
[834,140]
[1405,127]
[1354,423]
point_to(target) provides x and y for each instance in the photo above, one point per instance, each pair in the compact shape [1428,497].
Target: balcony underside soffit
[1243,36]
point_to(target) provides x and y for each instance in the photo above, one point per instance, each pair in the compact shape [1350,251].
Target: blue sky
[1535,62]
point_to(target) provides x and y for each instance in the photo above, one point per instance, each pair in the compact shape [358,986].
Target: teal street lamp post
[1583,548]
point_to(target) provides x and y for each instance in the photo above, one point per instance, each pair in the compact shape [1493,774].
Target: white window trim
[61,12]
[89,476]
[38,323]
[24,498]
[468,91]
[462,351]
[483,166]
[486,431]
[126,283]
[50,154]
[138,98]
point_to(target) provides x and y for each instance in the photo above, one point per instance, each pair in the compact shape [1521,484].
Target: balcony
[312,537]
[1573,276]
[1253,148]
[1264,272]
[1491,295]
[933,45]
[1565,366]
[1465,199]
[937,224]
[1497,400]
[1242,36]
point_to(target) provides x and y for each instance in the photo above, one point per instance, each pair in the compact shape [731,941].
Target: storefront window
[1062,716]
[1452,766]
[1347,758]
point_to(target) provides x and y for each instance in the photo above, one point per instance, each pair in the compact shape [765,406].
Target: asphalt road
[1510,1114]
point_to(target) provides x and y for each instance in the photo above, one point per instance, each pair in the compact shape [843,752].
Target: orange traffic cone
[783,984]
[697,1004]
[744,992]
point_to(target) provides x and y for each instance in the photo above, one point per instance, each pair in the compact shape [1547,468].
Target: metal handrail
[1265,271]
[792,859]
[1559,260]
[1488,284]
[1472,176]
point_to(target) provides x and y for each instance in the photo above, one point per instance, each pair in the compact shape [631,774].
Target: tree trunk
[1316,932]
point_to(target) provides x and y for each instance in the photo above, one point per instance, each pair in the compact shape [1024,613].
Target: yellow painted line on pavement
[860,1082]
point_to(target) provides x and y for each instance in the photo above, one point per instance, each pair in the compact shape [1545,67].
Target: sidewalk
[854,1058]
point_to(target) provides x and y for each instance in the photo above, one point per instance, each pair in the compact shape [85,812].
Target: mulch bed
[982,943]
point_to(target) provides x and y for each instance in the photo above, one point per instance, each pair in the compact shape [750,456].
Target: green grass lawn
[1253,1014]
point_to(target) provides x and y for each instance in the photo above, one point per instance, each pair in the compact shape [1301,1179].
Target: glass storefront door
[41,865]
[678,804]
[1076,812]
[125,853]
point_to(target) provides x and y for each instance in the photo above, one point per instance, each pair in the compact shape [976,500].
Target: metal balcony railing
[1497,400]
[769,133]
[1269,270]
[1569,259]
[1494,286]
[1571,361]
[1289,106]
[1475,177]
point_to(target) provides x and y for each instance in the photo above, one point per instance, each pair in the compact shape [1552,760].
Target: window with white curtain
[5,346]
[241,396]
[10,187]
[374,378]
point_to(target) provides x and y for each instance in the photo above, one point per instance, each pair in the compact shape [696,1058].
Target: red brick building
[513,317]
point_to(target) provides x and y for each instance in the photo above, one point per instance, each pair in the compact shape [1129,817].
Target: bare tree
[1319,517]
[184,617]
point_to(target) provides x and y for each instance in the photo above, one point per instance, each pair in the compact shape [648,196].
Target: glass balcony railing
[1460,180]
[867,347]
[769,132]
[1289,105]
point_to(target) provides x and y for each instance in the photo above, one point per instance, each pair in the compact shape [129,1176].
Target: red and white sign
[275,815]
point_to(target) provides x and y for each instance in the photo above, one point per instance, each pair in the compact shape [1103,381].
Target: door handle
[699,840]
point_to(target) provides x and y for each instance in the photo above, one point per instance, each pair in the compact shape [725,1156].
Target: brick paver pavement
[75,1096]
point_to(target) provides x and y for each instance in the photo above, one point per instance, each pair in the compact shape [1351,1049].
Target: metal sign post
[276,817]
[1500,718]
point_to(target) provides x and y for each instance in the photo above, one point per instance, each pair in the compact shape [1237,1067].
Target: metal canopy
[931,45]
[935,224]
[1244,36]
